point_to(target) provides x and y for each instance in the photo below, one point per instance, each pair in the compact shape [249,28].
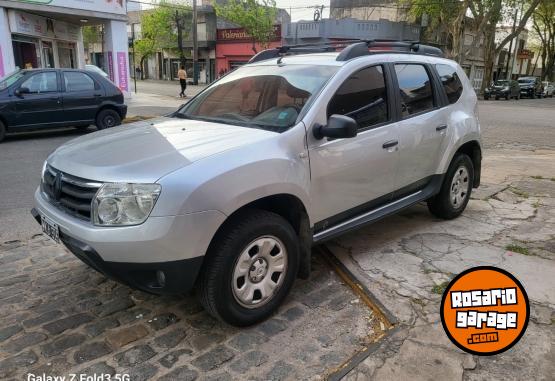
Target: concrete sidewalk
[156,98]
[407,260]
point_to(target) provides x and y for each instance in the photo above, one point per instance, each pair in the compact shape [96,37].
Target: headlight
[118,204]
[506,88]
[43,171]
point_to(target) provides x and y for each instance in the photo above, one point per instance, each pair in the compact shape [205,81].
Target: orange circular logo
[485,310]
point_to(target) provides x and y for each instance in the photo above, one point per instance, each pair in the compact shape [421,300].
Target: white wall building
[48,33]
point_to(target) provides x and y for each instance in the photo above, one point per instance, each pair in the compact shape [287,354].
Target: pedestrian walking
[182,75]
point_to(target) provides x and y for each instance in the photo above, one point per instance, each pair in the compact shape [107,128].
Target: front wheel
[455,191]
[250,268]
[107,118]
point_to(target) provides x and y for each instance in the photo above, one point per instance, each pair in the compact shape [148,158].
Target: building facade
[302,32]
[48,34]
[368,10]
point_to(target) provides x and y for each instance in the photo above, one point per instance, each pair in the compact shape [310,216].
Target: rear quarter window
[451,82]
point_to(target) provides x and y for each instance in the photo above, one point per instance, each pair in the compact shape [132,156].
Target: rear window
[451,82]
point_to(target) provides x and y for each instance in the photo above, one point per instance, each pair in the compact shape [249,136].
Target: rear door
[82,96]
[42,105]
[422,127]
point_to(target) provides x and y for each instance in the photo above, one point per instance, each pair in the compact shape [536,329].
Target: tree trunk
[180,38]
[254,46]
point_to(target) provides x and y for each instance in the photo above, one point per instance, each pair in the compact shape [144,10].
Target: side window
[42,83]
[76,81]
[416,89]
[451,82]
[363,97]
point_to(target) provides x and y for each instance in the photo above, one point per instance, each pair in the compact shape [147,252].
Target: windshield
[269,97]
[11,79]
[502,83]
[526,80]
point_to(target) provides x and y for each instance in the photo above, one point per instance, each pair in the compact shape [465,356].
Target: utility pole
[508,75]
[134,63]
[195,44]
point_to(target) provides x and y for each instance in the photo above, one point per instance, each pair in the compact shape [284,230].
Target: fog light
[161,278]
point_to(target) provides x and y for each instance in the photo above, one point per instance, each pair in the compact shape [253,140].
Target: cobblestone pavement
[407,261]
[58,316]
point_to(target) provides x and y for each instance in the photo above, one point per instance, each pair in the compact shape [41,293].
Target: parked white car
[229,194]
[548,89]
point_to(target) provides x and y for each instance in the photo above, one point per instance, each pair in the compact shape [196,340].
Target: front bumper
[175,245]
[122,111]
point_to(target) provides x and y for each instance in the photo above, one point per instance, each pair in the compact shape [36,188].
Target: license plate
[50,229]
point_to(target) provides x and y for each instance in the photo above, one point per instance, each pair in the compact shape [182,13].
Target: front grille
[72,194]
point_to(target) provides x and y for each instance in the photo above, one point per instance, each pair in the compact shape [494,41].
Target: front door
[422,128]
[351,176]
[41,105]
[81,97]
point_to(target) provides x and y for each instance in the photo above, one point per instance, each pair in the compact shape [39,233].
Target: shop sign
[1,63]
[33,25]
[111,66]
[122,71]
[240,34]
[525,54]
[109,6]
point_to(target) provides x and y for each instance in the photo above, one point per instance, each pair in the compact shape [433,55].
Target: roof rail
[352,49]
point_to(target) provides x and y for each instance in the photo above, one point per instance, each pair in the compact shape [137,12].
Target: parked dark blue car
[46,98]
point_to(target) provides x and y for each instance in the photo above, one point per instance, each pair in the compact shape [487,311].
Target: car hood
[145,151]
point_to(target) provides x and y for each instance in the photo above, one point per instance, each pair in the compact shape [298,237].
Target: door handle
[389,144]
[441,128]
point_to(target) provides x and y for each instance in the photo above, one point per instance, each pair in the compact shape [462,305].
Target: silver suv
[229,193]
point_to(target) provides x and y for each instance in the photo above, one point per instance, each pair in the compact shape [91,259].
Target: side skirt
[430,190]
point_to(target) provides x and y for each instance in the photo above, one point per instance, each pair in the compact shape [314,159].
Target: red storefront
[234,47]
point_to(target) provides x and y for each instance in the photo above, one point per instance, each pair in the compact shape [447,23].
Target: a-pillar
[7,62]
[117,53]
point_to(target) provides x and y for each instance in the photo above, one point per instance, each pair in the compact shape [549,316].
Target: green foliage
[91,34]
[257,18]
[517,249]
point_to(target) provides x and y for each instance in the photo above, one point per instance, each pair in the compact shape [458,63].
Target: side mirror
[22,90]
[339,126]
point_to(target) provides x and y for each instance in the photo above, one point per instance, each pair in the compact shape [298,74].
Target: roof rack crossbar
[351,49]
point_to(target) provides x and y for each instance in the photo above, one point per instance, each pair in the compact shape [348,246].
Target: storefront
[48,34]
[234,48]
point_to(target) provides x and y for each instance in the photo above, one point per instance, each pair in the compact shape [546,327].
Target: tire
[486,98]
[2,131]
[496,98]
[441,205]
[533,95]
[507,97]
[240,242]
[107,118]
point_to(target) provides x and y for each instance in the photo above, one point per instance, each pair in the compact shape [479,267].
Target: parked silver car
[228,195]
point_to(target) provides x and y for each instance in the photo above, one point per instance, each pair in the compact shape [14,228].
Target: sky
[298,9]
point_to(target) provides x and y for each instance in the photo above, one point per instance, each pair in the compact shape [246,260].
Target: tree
[496,11]
[446,17]
[157,34]
[257,18]
[543,21]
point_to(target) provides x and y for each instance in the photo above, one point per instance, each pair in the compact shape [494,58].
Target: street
[58,315]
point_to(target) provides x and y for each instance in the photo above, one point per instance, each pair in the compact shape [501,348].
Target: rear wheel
[2,131]
[455,191]
[249,271]
[507,97]
[107,118]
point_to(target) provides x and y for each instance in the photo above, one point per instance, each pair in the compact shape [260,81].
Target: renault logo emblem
[57,186]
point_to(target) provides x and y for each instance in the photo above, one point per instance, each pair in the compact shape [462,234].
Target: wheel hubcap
[259,272]
[459,187]
[109,121]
